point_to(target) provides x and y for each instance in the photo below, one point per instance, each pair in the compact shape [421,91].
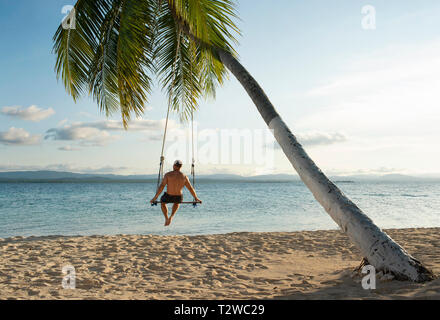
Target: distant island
[71,177]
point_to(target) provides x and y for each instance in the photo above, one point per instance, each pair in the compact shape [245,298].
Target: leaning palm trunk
[375,245]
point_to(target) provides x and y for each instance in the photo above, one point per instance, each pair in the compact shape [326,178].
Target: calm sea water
[121,208]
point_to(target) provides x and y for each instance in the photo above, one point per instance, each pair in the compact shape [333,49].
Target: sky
[360,94]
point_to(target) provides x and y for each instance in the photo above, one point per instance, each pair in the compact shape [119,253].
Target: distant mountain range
[55,176]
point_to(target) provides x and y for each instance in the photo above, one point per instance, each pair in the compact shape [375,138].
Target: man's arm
[191,190]
[161,187]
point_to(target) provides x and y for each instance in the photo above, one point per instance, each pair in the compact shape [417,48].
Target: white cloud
[392,91]
[320,138]
[134,125]
[387,104]
[366,172]
[86,114]
[68,148]
[32,113]
[87,136]
[98,133]
[18,137]
[314,139]
[62,123]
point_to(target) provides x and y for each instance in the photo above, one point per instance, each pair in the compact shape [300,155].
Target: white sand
[297,265]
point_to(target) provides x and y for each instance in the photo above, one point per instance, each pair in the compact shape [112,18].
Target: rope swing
[162,157]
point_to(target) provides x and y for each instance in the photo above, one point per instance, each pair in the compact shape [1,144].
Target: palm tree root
[425,274]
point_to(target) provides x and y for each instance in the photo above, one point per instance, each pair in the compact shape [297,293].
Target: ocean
[39,209]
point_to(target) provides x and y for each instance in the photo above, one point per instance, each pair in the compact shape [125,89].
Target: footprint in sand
[97,269]
[33,293]
[216,283]
[154,266]
[197,282]
[54,293]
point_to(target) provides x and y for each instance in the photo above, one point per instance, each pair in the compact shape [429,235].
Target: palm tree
[118,45]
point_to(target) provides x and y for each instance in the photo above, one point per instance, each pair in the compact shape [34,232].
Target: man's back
[175,181]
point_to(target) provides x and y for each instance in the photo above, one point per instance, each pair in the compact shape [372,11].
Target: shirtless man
[175,181]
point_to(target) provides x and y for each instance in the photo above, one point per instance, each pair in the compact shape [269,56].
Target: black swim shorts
[171,199]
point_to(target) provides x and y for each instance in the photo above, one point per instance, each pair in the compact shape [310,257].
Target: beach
[271,265]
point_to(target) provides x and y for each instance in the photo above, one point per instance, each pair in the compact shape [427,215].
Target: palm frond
[177,65]
[118,44]
[135,56]
[199,70]
[75,48]
[210,21]
[109,54]
[103,81]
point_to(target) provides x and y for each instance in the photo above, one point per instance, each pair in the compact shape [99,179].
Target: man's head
[177,165]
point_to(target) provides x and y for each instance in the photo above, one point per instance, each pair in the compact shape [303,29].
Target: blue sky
[361,101]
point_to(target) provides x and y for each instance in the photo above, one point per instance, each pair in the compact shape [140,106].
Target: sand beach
[284,265]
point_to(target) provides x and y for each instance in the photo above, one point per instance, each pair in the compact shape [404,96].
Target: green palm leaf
[176,64]
[75,47]
[118,44]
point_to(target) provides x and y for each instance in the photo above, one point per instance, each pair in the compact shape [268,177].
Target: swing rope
[162,158]
[193,173]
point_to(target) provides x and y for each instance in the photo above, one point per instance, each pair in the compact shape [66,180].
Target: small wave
[414,195]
